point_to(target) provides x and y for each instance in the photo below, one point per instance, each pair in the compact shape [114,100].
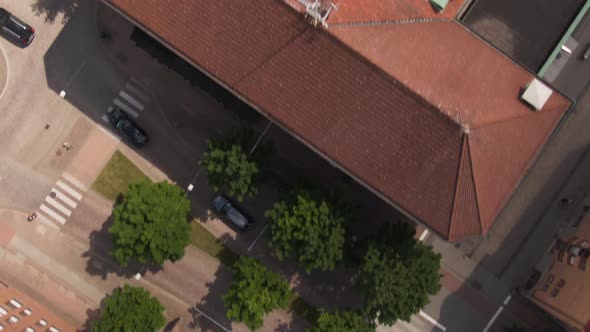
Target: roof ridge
[389,22]
[500,122]
[411,92]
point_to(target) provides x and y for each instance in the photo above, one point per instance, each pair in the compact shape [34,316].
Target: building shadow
[52,8]
[514,261]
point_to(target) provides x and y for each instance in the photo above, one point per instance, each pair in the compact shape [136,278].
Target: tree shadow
[91,316]
[100,261]
[212,304]
[52,8]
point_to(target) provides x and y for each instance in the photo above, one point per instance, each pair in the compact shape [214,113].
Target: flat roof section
[526,30]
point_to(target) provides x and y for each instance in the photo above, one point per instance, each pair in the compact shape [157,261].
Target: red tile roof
[364,11]
[426,114]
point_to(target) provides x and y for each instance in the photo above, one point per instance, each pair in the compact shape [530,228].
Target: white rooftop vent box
[536,94]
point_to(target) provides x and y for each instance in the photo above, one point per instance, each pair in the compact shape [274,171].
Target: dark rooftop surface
[526,30]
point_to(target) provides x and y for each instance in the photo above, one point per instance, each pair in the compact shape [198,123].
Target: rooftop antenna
[318,11]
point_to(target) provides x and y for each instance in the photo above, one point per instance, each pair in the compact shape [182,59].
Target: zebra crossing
[61,200]
[131,99]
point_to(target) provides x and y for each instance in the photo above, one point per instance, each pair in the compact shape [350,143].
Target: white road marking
[58,206]
[432,321]
[52,214]
[126,108]
[69,190]
[491,322]
[211,319]
[131,100]
[256,239]
[74,181]
[423,235]
[137,92]
[64,198]
[62,94]
[105,118]
[47,222]
[110,109]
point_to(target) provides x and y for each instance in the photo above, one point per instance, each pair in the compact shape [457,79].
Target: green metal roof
[439,4]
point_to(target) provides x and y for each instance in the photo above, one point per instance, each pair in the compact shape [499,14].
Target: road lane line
[137,92]
[126,108]
[58,206]
[491,322]
[74,181]
[256,239]
[131,100]
[432,321]
[69,190]
[211,319]
[52,214]
[64,198]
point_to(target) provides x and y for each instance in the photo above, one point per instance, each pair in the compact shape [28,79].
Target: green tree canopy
[342,321]
[397,275]
[150,224]
[254,292]
[309,227]
[230,165]
[130,309]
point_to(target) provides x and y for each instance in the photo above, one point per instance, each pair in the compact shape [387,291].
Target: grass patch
[305,310]
[204,240]
[115,177]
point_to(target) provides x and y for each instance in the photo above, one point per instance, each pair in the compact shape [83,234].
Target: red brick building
[397,94]
[20,313]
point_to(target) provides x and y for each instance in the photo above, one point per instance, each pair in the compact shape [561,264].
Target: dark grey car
[127,127]
[16,29]
[225,209]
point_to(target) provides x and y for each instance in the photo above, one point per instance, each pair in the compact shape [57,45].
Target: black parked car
[226,210]
[16,29]
[127,127]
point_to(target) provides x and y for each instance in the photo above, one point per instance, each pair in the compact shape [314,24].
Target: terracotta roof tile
[425,114]
[465,216]
[364,11]
[362,119]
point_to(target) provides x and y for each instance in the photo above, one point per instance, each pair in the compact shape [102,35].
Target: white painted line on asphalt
[211,319]
[69,190]
[52,214]
[110,109]
[47,222]
[137,92]
[62,94]
[126,108]
[491,322]
[424,234]
[74,181]
[64,198]
[105,118]
[432,321]
[256,239]
[131,100]
[58,206]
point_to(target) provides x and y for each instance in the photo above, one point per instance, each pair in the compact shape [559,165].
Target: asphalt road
[179,120]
